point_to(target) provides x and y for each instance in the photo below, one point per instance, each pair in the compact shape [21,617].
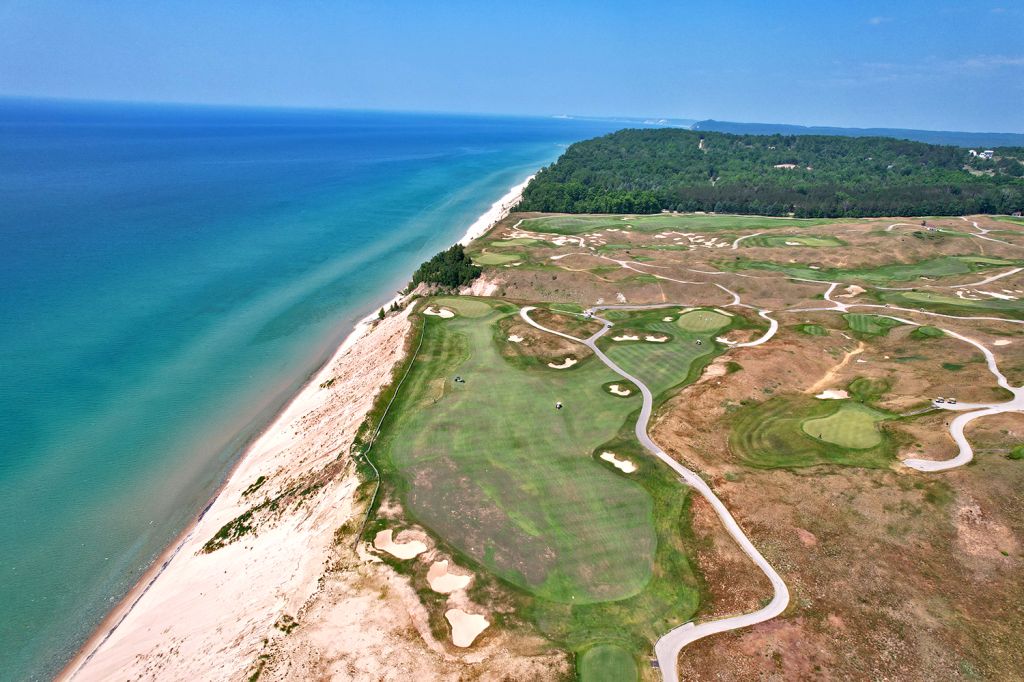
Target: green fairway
[606,663]
[578,224]
[851,426]
[944,266]
[496,258]
[519,241]
[873,325]
[772,434]
[703,321]
[790,240]
[954,305]
[926,332]
[498,471]
[812,330]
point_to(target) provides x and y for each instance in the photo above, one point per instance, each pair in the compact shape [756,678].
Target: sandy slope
[206,615]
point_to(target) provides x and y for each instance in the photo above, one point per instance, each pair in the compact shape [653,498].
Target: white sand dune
[442,312]
[623,465]
[401,550]
[442,581]
[466,627]
[566,364]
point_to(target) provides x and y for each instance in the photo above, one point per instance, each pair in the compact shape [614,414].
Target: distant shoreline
[117,615]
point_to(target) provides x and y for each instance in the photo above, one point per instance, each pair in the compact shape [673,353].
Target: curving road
[668,647]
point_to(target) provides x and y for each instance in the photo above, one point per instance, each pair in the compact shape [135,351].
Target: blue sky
[935,64]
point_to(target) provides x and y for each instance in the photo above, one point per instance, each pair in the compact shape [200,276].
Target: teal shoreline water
[171,277]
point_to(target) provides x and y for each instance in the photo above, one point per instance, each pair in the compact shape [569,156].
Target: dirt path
[830,375]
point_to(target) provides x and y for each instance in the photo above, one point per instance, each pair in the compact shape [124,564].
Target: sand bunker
[667,319]
[656,339]
[443,312]
[465,626]
[618,390]
[852,291]
[793,244]
[623,465]
[625,337]
[515,338]
[832,395]
[1002,342]
[444,582]
[401,550]
[566,364]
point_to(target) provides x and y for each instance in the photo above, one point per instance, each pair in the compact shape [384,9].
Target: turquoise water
[170,275]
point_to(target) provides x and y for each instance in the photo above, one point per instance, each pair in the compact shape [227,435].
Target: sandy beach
[282,517]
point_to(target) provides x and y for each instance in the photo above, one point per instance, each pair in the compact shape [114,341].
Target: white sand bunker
[565,364]
[443,312]
[623,465]
[401,550]
[656,339]
[465,626]
[625,337]
[851,291]
[832,394]
[1002,342]
[618,390]
[667,319]
[444,582]
[515,338]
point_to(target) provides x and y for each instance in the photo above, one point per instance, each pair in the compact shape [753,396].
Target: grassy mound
[852,426]
[698,321]
[772,434]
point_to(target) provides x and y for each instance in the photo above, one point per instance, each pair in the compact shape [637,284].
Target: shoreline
[110,623]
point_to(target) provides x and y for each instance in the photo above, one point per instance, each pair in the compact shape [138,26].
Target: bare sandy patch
[443,313]
[851,291]
[401,550]
[466,627]
[832,394]
[565,364]
[623,465]
[444,582]
[1002,342]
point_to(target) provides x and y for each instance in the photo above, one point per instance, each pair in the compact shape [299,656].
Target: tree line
[647,171]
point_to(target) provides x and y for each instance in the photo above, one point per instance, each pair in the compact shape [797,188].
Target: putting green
[493,468]
[606,663]
[496,258]
[698,321]
[851,426]
[874,325]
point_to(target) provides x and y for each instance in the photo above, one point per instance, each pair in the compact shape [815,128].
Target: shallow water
[170,275]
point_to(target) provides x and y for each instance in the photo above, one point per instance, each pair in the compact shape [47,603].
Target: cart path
[668,647]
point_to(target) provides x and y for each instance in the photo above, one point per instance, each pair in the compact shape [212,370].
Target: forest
[647,171]
[450,269]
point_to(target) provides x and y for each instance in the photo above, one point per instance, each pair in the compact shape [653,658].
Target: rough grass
[852,426]
[578,224]
[606,663]
[703,321]
[771,435]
